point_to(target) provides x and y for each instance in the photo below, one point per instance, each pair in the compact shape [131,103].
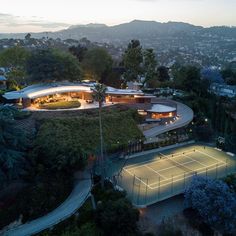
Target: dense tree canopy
[132,60]
[215,203]
[229,76]
[140,62]
[149,67]
[15,59]
[112,79]
[230,141]
[96,64]
[52,65]
[65,143]
[13,144]
[188,78]
[118,217]
[163,73]
[78,51]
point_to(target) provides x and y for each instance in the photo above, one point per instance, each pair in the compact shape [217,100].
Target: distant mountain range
[137,29]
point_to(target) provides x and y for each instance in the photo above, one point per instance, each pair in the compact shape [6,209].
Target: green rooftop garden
[60,105]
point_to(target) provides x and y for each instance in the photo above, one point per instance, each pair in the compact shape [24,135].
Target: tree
[163,73]
[78,52]
[204,132]
[99,96]
[15,59]
[13,145]
[188,78]
[118,217]
[230,141]
[112,79]
[229,75]
[85,230]
[27,36]
[132,60]
[214,201]
[96,63]
[149,67]
[57,148]
[52,65]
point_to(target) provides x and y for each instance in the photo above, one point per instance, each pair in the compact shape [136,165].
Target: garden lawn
[60,105]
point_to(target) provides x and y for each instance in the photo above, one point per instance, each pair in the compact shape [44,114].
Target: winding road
[82,188]
[75,200]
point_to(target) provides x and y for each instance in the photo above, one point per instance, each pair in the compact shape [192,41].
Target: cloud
[7,20]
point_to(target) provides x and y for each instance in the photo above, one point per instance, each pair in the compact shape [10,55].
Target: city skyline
[31,16]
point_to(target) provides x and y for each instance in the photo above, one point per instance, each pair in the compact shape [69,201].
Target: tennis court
[155,177]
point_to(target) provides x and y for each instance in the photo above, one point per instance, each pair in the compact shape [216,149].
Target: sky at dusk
[52,15]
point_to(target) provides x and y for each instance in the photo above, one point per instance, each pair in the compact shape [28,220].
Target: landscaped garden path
[75,200]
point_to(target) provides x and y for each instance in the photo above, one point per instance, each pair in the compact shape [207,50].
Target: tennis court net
[177,164]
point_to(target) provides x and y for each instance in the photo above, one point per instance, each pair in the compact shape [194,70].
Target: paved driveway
[66,209]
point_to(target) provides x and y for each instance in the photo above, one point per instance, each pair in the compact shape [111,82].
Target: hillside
[135,29]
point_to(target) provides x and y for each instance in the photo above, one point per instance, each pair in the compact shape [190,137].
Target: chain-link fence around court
[145,187]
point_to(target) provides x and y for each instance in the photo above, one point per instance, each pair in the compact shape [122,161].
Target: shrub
[118,217]
[65,143]
[196,221]
[214,201]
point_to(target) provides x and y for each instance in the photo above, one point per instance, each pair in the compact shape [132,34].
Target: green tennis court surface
[155,177]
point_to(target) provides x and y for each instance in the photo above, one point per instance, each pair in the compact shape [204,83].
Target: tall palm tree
[99,94]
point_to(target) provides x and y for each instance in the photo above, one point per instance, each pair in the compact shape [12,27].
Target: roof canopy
[41,90]
[160,108]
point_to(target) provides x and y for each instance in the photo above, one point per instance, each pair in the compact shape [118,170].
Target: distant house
[3,81]
[223,90]
[134,85]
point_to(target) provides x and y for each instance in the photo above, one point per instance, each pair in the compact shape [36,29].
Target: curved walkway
[185,115]
[75,200]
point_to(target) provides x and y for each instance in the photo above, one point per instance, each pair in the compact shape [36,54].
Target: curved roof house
[41,90]
[169,114]
[76,90]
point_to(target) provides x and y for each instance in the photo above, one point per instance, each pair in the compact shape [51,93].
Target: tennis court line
[174,177]
[165,178]
[178,163]
[159,160]
[155,171]
[171,167]
[179,179]
[210,156]
[187,162]
[196,161]
[136,177]
[203,168]
[210,167]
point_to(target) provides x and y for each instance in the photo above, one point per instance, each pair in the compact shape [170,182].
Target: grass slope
[70,139]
